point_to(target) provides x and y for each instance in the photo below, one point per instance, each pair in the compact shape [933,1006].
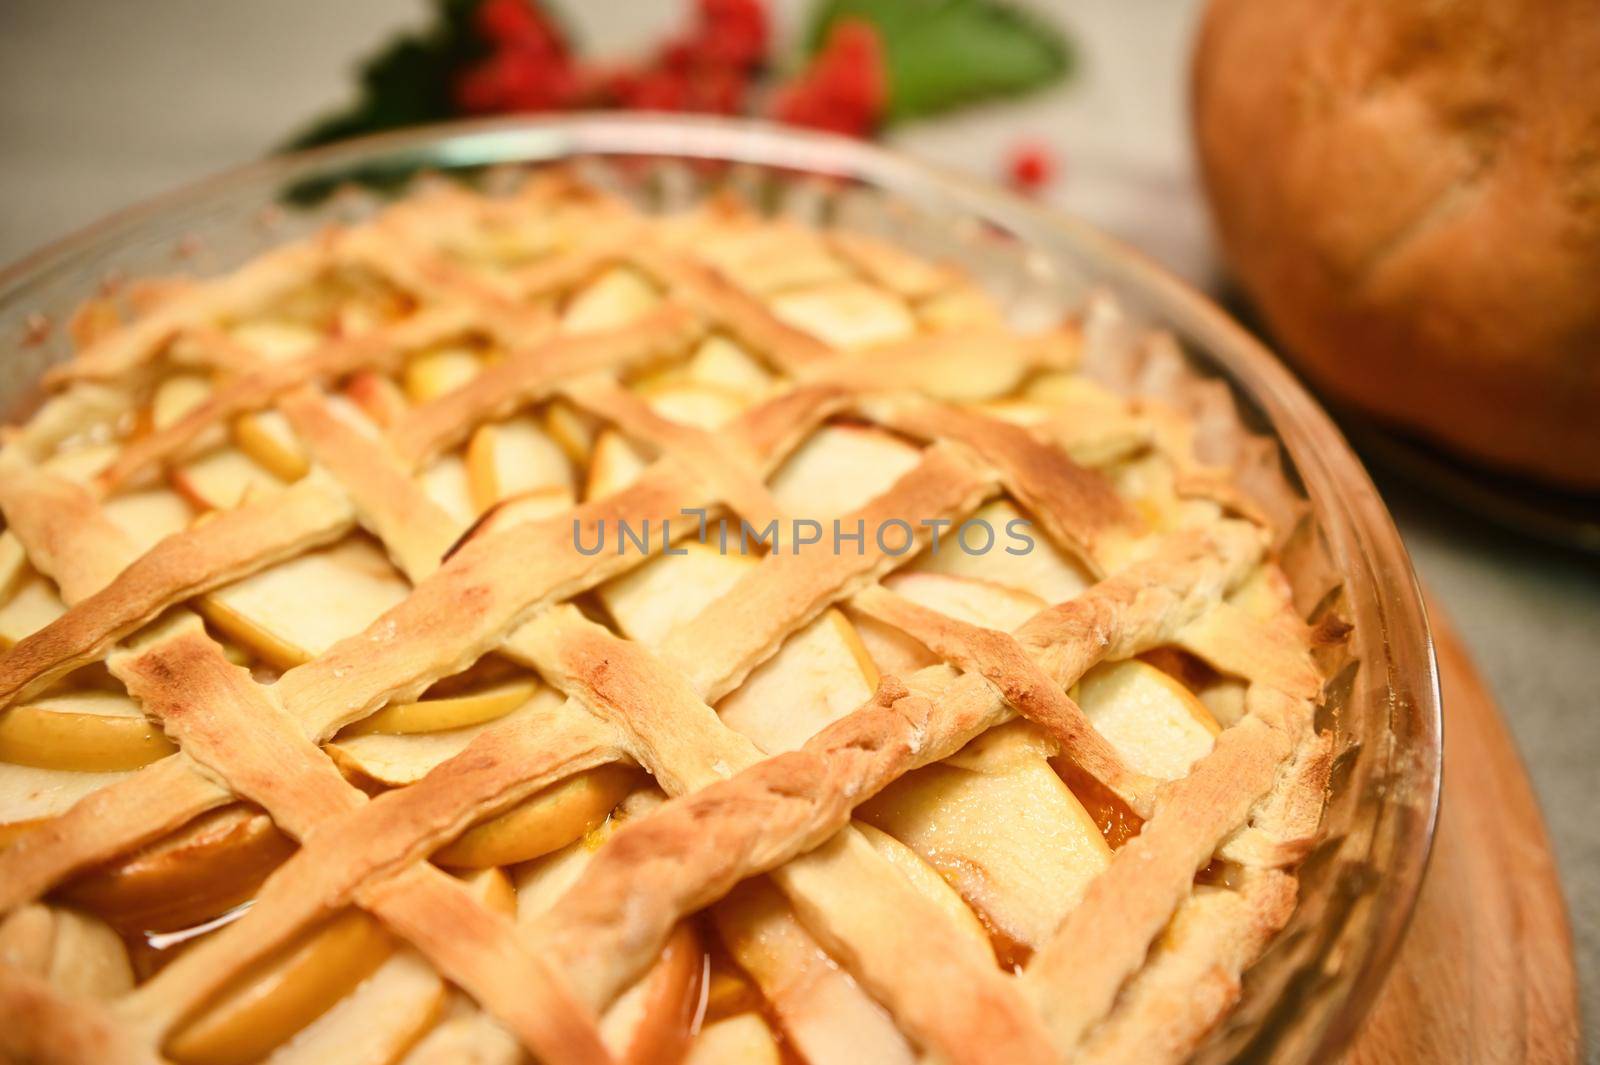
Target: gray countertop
[102,104]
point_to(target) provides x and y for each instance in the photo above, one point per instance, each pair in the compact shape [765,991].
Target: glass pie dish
[1304,998]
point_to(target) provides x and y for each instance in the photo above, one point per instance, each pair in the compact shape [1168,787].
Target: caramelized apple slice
[432,373]
[839,469]
[513,457]
[375,396]
[728,989]
[769,256]
[650,1021]
[572,430]
[221,479]
[271,1001]
[721,363]
[177,396]
[544,822]
[197,873]
[742,1039]
[297,609]
[13,563]
[962,306]
[86,731]
[448,484]
[276,340]
[891,649]
[1158,726]
[649,601]
[614,465]
[1057,388]
[404,759]
[1000,826]
[541,883]
[377,1022]
[148,516]
[390,1010]
[33,604]
[455,711]
[74,952]
[611,301]
[846,314]
[267,438]
[820,674]
[28,794]
[926,879]
[702,406]
[1002,545]
[824,1013]
[82,463]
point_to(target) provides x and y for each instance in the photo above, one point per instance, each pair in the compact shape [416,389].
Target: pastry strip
[233,545]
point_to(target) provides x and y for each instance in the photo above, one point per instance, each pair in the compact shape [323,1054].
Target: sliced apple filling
[440,714]
[742,1039]
[512,458]
[32,604]
[614,465]
[819,674]
[1002,545]
[268,439]
[998,823]
[722,363]
[651,600]
[386,753]
[276,340]
[769,258]
[222,479]
[614,299]
[187,878]
[430,374]
[846,314]
[75,952]
[265,1006]
[823,1011]
[840,468]
[345,300]
[82,731]
[294,611]
[1158,726]
[544,822]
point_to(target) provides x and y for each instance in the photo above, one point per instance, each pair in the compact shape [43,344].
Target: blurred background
[105,103]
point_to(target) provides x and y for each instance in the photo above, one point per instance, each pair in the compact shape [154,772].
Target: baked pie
[521,626]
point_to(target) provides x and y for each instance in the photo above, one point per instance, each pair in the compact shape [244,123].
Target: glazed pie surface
[512,629]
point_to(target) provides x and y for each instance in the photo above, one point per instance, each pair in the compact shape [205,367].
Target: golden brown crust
[233,545]
[504,584]
[533,374]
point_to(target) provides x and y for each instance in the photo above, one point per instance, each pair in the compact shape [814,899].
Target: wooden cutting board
[1486,972]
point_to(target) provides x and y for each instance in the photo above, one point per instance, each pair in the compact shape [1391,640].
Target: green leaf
[946,53]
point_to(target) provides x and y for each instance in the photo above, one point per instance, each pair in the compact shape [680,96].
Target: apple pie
[521,626]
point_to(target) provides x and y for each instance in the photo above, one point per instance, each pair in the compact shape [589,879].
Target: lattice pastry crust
[330,734]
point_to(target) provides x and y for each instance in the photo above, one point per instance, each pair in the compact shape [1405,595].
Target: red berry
[719,90]
[1031,167]
[733,32]
[516,79]
[517,24]
[846,88]
[658,90]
